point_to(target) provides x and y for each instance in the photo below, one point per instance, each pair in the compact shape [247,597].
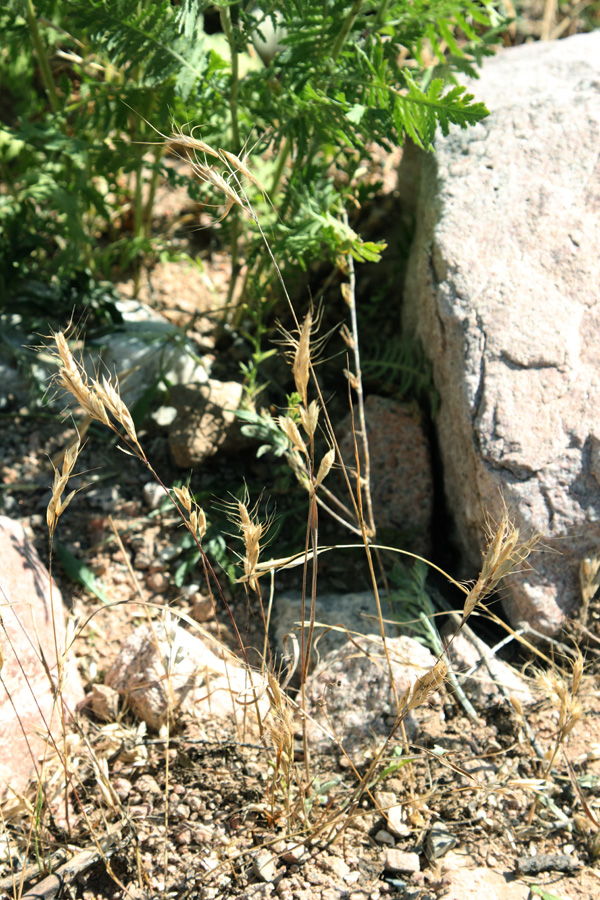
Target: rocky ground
[195,812]
[476,797]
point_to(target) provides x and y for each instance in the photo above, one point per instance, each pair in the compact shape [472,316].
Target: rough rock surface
[148,349]
[31,615]
[205,414]
[350,693]
[465,880]
[401,479]
[162,668]
[502,290]
[336,615]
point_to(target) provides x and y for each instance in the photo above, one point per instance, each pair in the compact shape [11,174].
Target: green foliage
[86,83]
[413,609]
[401,364]
[77,571]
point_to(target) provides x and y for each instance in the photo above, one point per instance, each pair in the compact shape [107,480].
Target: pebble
[384,837]
[157,582]
[332,865]
[400,861]
[146,784]
[121,787]
[153,494]
[264,866]
[202,608]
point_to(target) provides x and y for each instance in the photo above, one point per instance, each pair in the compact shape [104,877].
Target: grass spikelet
[111,398]
[253,533]
[290,429]
[57,505]
[301,364]
[74,380]
[195,513]
[100,400]
[325,467]
[309,418]
[504,555]
[425,685]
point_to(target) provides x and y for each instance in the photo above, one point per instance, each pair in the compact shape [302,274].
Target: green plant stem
[227,26]
[348,23]
[154,180]
[381,14]
[42,56]
[283,158]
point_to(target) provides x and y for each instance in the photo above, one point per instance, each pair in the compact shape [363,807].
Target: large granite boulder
[503,292]
[33,624]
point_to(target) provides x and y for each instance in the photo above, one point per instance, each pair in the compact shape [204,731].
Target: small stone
[164,416]
[121,787]
[400,861]
[146,784]
[104,702]
[438,842]
[183,837]
[182,811]
[142,561]
[384,837]
[203,608]
[264,866]
[333,865]
[157,582]
[154,494]
[396,821]
[201,835]
[294,854]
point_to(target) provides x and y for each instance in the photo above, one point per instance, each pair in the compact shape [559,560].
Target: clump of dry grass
[307,427]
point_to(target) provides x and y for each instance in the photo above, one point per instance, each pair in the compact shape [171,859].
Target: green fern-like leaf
[418,113]
[144,37]
[402,366]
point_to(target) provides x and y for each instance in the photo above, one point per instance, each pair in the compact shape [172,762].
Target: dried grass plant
[291,790]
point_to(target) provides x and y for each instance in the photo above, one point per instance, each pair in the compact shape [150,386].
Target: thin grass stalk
[152,188]
[350,298]
[227,25]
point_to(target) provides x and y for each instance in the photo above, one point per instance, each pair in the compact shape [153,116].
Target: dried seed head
[301,364]
[309,418]
[73,379]
[424,686]
[111,398]
[347,337]
[589,577]
[57,505]
[253,533]
[517,706]
[290,429]
[504,555]
[325,467]
[184,497]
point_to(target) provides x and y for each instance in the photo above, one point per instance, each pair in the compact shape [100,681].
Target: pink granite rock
[502,291]
[401,477]
[33,618]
